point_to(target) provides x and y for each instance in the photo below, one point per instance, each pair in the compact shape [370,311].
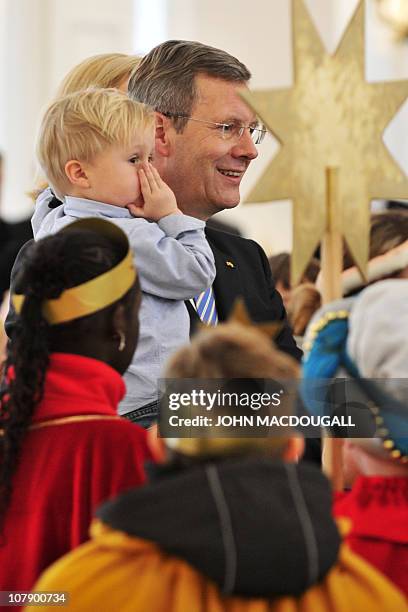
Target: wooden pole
[332,243]
[332,266]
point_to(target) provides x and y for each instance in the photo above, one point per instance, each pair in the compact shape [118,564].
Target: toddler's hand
[159,200]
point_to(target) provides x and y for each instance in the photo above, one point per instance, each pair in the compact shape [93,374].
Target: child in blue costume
[365,338]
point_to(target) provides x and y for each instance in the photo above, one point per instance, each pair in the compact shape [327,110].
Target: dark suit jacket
[243,270]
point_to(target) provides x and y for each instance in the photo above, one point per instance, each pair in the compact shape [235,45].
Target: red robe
[77,453]
[378,509]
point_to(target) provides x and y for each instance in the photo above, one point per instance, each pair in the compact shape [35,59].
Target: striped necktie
[205,306]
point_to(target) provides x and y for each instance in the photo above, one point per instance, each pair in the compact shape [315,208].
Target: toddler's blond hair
[82,124]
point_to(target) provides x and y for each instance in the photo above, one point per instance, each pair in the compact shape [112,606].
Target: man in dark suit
[206,137]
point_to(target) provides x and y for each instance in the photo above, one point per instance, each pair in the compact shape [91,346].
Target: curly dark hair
[51,265]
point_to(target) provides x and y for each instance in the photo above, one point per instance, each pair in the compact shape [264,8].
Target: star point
[240,314]
[331,118]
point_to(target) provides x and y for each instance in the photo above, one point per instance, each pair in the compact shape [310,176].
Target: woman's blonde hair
[104,70]
[80,125]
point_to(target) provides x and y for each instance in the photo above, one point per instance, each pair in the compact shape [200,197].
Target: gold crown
[209,445]
[97,293]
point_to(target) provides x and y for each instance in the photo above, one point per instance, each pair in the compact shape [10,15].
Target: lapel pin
[229,264]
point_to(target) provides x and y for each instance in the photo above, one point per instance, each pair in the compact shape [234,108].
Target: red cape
[77,453]
[378,509]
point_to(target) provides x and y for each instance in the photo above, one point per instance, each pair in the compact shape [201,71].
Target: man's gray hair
[165,78]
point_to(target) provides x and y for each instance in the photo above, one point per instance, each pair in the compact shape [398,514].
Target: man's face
[203,169]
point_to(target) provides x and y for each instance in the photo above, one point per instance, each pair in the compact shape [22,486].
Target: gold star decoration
[330,118]
[240,314]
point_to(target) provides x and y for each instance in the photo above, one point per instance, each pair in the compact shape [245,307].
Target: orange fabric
[117,572]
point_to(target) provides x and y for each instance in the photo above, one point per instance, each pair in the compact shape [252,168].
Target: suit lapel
[227,284]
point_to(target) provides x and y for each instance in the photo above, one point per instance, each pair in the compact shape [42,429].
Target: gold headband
[210,447]
[93,295]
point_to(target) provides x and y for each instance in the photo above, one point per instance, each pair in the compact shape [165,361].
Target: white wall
[149,24]
[41,41]
[3,92]
[84,27]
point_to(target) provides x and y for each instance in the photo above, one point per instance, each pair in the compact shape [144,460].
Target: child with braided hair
[59,431]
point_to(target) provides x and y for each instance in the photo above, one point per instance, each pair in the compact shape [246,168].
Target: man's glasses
[229,131]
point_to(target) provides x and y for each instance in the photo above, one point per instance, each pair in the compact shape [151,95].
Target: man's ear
[163,126]
[77,174]
[294,450]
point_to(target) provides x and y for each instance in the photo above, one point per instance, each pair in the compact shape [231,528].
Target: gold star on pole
[240,314]
[330,118]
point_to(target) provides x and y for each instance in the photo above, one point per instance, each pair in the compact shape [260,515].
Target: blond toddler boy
[96,147]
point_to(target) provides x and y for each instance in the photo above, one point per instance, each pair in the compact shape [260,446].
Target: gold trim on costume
[88,297]
[381,431]
[317,327]
[74,419]
[388,443]
[68,420]
[207,447]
